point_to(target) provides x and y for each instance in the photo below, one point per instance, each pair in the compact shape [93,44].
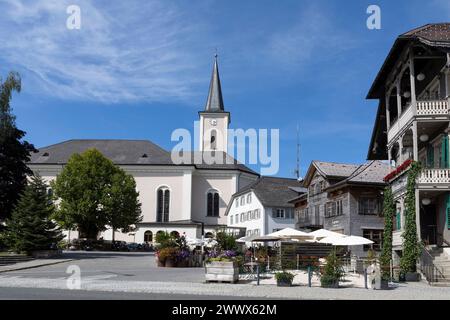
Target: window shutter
[398,220]
[444,153]
[430,156]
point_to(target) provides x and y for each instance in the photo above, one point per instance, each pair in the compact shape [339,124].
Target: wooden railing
[432,107]
[433,176]
[423,108]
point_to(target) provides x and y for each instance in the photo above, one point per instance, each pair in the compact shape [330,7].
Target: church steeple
[214,103]
[214,120]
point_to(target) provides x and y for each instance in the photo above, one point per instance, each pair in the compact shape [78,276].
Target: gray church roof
[133,152]
[273,191]
[214,103]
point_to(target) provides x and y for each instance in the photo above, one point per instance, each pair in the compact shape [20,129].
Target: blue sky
[140,69]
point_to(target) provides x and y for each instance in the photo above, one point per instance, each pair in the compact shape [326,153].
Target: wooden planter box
[222,272]
[170,263]
[412,277]
[284,283]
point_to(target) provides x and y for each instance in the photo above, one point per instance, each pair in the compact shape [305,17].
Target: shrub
[226,241]
[284,276]
[332,272]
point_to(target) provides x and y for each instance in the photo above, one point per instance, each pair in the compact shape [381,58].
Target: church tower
[214,120]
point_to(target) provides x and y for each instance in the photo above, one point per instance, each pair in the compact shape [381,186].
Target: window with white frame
[231,219]
[236,218]
[237,202]
[279,213]
[249,198]
[242,200]
[242,217]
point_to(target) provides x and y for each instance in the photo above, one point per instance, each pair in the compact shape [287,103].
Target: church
[188,198]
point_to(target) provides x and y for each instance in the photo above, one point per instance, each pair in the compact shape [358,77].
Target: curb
[36,266]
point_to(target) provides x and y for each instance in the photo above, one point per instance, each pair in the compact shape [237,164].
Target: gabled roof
[214,102]
[369,173]
[434,35]
[329,170]
[134,152]
[272,191]
[121,152]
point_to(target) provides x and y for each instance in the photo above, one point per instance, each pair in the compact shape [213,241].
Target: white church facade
[189,198]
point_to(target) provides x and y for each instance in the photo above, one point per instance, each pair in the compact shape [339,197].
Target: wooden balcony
[434,178]
[425,110]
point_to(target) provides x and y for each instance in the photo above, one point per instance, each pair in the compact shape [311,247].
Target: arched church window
[213,141]
[148,236]
[163,204]
[212,204]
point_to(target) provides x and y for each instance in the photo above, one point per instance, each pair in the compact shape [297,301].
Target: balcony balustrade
[424,109]
[434,177]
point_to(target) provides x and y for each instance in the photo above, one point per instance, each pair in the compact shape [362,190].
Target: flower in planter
[183,255]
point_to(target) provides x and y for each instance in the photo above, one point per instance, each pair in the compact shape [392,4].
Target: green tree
[95,194]
[31,227]
[121,202]
[410,242]
[14,153]
[226,241]
[388,213]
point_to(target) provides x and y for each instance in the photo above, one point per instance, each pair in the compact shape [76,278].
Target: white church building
[188,198]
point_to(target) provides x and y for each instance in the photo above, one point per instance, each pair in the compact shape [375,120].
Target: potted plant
[159,260]
[284,279]
[168,255]
[332,272]
[183,258]
[222,266]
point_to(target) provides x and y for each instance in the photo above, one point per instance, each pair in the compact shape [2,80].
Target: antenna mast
[297,170]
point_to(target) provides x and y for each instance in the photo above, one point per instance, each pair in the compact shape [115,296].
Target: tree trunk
[113,235]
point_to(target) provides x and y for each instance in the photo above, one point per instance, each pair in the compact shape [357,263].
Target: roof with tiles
[134,152]
[274,191]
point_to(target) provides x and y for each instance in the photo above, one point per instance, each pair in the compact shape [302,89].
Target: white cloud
[124,51]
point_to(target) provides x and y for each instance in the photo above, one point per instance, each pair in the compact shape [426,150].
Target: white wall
[251,224]
[279,223]
[203,181]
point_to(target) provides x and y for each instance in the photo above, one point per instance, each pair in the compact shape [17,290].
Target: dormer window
[144,156]
[45,154]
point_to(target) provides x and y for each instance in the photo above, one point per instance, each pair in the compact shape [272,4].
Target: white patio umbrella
[346,241]
[290,233]
[323,233]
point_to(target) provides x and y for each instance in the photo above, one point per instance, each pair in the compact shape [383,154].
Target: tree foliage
[95,194]
[30,227]
[14,153]
[388,213]
[226,241]
[410,242]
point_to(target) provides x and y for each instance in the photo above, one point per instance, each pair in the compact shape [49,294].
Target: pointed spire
[215,100]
